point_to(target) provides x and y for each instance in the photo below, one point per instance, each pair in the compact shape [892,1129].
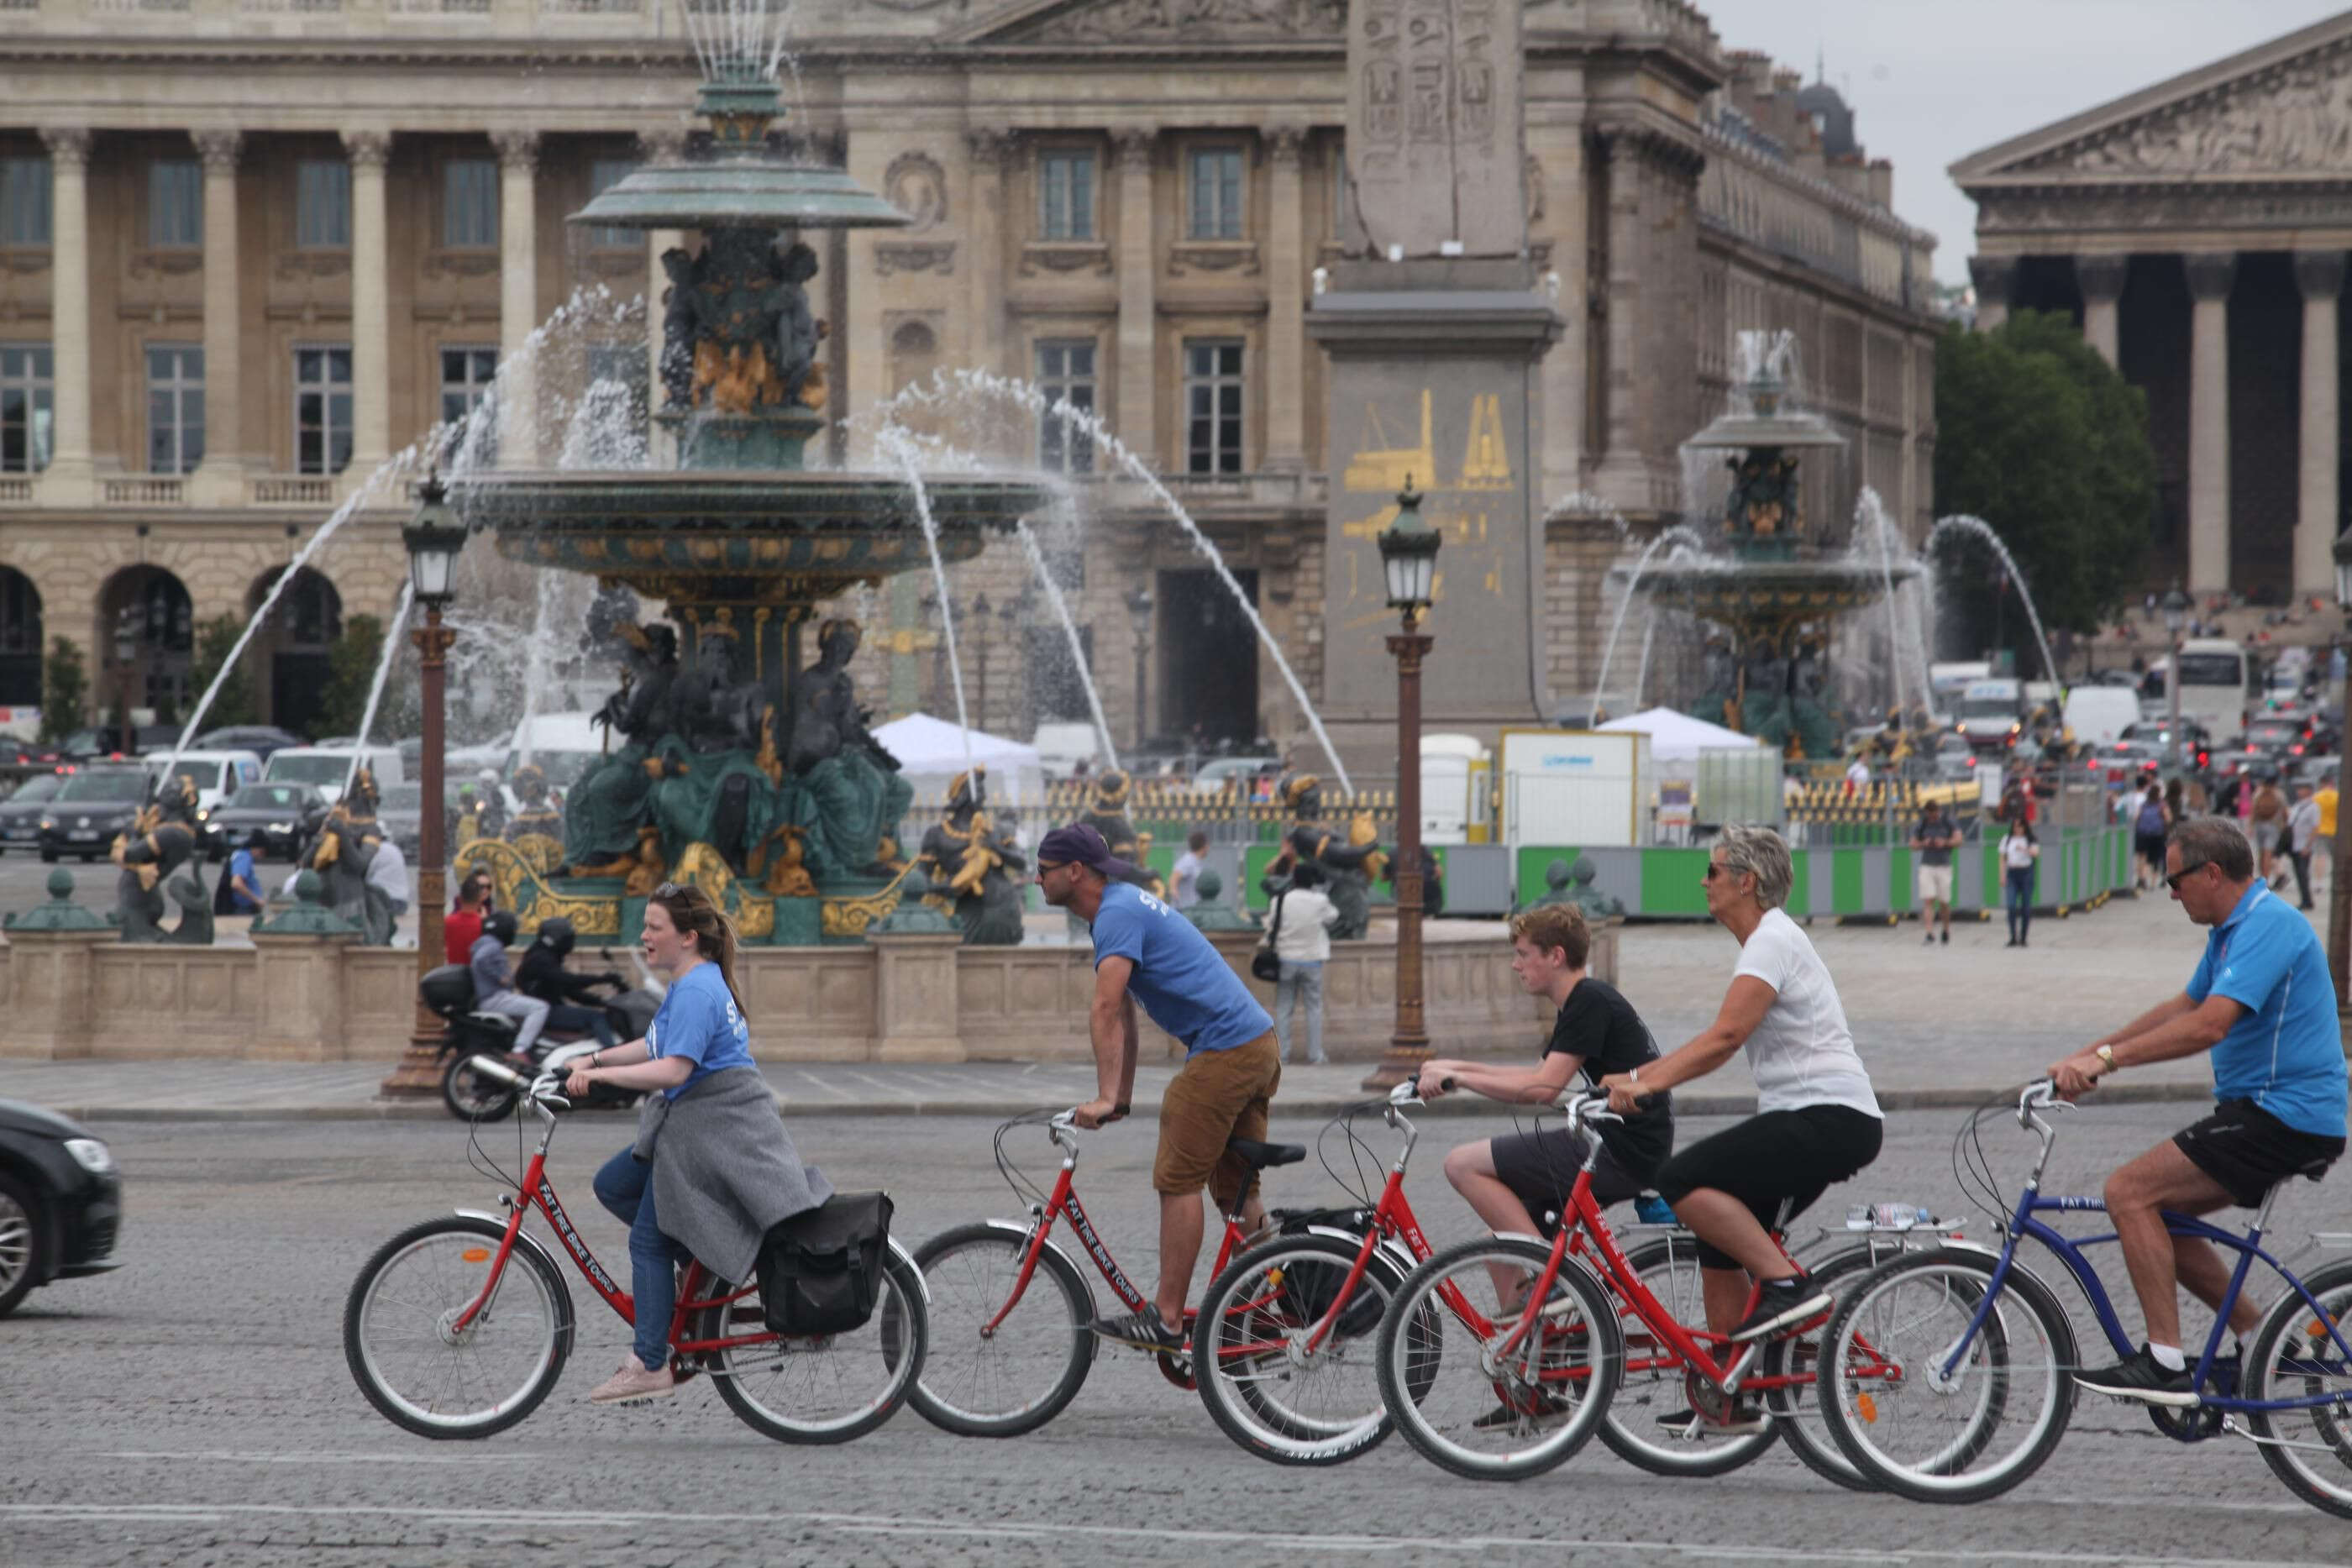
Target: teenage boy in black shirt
[1512,1181]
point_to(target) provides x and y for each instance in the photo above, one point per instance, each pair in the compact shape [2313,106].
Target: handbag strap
[1275,934]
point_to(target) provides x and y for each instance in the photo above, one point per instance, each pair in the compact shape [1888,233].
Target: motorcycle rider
[574,1006]
[494,987]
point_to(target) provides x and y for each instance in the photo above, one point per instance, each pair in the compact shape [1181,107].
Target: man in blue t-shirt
[1146,952]
[2262,1002]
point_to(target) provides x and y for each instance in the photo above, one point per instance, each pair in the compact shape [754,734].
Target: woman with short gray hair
[1816,1120]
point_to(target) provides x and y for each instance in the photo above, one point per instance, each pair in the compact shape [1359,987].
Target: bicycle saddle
[1258,1156]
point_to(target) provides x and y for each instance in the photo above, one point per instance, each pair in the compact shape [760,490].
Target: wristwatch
[2107,1054]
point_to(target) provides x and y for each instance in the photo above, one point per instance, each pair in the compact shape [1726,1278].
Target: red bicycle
[1529,1389]
[1012,1317]
[458,1327]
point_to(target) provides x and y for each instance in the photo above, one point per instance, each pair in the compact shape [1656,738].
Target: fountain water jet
[1070,631]
[383,672]
[1979,530]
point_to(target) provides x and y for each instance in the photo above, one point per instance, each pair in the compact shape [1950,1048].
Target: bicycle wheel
[1658,1384]
[435,1380]
[1262,1385]
[822,1388]
[2294,1357]
[1464,1402]
[1930,1436]
[1015,1379]
[1796,1409]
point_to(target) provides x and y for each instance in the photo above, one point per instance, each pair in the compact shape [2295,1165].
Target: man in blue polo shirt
[1146,952]
[2262,1002]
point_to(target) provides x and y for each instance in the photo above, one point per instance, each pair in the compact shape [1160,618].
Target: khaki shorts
[1214,1096]
[1935,885]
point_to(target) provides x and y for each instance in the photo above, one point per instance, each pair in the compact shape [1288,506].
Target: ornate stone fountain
[733,763]
[1773,594]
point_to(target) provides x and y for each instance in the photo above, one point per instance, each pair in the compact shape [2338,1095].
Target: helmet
[488,776]
[501,925]
[556,935]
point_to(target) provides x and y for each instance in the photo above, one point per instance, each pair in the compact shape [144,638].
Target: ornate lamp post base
[1409,1045]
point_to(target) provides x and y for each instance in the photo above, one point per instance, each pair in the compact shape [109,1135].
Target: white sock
[2169,1356]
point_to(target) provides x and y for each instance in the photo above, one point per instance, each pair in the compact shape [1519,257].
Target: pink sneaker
[632,1384]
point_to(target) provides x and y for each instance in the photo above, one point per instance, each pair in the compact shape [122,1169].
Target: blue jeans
[2020,901]
[625,1187]
[1300,982]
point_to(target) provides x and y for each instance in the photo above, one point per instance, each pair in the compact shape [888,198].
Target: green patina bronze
[1209,914]
[59,913]
[310,916]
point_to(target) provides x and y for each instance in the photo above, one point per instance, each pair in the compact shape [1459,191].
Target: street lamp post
[433,537]
[126,654]
[1409,561]
[2339,869]
[1138,605]
[2176,616]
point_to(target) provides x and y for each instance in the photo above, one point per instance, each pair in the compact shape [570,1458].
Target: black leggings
[1774,1157]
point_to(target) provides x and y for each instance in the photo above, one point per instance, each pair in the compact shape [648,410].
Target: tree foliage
[236,703]
[64,692]
[2042,438]
[350,670]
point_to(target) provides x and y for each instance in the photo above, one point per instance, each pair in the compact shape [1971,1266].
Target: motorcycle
[447,993]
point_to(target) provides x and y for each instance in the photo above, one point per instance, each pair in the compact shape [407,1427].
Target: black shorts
[2150,847]
[1540,1169]
[1772,1158]
[2248,1151]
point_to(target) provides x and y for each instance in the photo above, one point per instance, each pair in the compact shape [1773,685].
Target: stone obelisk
[1435,327]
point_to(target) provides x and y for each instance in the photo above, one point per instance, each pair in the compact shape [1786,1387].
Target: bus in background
[2212,686]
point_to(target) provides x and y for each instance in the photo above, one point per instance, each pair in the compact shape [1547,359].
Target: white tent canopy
[932,751]
[1673,734]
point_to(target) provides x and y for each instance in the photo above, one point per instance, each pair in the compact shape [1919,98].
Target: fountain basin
[1735,592]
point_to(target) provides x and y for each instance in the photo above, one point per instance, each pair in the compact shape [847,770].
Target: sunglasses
[667,890]
[2184,873]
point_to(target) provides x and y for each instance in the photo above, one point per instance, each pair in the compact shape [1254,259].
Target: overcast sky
[1932,81]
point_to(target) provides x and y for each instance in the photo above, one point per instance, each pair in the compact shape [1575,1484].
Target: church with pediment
[2197,230]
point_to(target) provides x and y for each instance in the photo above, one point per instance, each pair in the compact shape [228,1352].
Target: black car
[21,812]
[104,743]
[95,805]
[60,1202]
[286,815]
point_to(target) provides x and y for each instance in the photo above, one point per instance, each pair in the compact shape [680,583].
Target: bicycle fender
[1398,1255]
[524,1238]
[1014,1228]
[898,1251]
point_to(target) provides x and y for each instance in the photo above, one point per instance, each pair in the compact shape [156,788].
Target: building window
[602,175]
[175,407]
[1213,407]
[470,203]
[24,200]
[27,415]
[1066,373]
[322,205]
[466,376]
[322,409]
[1065,195]
[1217,192]
[175,202]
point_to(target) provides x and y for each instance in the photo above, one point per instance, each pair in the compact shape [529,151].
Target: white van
[565,746]
[1990,712]
[1062,747]
[218,774]
[328,765]
[2099,715]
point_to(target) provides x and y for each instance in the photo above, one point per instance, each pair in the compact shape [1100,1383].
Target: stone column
[1136,412]
[984,285]
[2321,276]
[2101,278]
[1995,277]
[70,479]
[667,145]
[1556,216]
[369,151]
[1623,477]
[518,153]
[1286,311]
[220,477]
[2210,277]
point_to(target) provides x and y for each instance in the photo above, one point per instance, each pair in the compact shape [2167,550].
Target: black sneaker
[1145,1329]
[1928,940]
[1947,936]
[1541,1410]
[1745,1418]
[1782,1306]
[2137,1377]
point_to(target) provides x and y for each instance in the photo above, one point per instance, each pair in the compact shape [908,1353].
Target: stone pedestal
[915,995]
[301,991]
[51,987]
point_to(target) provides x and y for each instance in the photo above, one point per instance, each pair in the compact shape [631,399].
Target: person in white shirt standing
[388,872]
[1301,923]
[1184,876]
[2303,832]
[1816,1122]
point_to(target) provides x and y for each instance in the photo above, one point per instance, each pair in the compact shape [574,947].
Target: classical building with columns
[249,248]
[2197,230]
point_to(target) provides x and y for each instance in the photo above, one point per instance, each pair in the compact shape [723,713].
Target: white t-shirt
[1183,880]
[1802,1053]
[2017,852]
[1859,774]
[1307,916]
[2128,810]
[2303,822]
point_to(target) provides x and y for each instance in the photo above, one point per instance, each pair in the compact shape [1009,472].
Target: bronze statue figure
[341,853]
[1348,866]
[975,874]
[163,840]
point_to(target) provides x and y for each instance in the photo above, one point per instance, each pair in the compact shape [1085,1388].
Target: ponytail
[692,911]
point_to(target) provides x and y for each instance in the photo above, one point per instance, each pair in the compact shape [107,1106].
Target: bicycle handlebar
[2042,1095]
[1587,1107]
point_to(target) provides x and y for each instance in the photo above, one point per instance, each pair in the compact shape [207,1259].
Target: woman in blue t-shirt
[699,1032]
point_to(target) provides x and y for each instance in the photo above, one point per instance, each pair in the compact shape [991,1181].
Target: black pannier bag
[820,1270]
[1308,1287]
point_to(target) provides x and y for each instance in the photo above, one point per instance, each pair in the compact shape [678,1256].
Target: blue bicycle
[1950,1373]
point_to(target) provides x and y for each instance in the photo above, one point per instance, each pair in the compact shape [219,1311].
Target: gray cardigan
[724,1169]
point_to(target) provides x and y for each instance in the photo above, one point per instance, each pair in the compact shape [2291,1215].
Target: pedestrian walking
[1303,917]
[240,884]
[2303,833]
[2266,824]
[2147,835]
[2325,799]
[1934,840]
[2018,852]
[1184,877]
